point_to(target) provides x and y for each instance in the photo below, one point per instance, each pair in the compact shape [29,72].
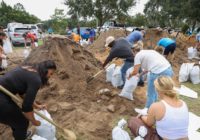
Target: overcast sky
[43,9]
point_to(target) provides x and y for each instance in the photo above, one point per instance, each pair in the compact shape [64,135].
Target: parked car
[84,32]
[16,35]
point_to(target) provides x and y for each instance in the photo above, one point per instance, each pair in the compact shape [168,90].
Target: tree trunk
[194,25]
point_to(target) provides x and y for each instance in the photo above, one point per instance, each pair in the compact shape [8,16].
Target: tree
[137,20]
[102,10]
[19,7]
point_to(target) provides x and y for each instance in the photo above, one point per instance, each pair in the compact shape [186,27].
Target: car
[84,32]
[16,35]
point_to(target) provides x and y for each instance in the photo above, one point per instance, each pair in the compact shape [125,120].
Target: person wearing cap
[169,46]
[135,37]
[154,63]
[120,48]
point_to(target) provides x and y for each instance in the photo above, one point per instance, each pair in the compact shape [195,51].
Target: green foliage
[100,9]
[17,13]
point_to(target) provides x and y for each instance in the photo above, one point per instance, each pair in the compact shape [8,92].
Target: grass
[40,43]
[193,104]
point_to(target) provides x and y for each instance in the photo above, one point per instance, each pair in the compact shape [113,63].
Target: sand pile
[72,102]
[98,45]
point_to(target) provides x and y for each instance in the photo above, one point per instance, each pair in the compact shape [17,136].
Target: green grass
[192,103]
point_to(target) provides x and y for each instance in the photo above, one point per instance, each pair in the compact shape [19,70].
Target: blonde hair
[165,85]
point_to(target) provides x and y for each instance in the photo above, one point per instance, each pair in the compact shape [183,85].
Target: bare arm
[30,117]
[136,70]
[150,119]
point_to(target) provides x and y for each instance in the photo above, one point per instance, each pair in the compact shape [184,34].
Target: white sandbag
[26,52]
[7,46]
[117,77]
[129,87]
[129,71]
[195,75]
[109,72]
[45,130]
[36,137]
[192,52]
[4,63]
[118,133]
[185,71]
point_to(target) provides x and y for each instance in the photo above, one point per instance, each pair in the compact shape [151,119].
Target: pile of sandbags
[189,71]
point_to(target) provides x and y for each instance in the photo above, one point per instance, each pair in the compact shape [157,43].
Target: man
[154,63]
[120,48]
[32,37]
[135,37]
[169,46]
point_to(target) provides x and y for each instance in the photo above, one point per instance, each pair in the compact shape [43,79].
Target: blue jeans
[124,68]
[152,95]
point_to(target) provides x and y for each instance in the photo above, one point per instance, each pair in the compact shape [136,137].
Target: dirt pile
[98,45]
[72,102]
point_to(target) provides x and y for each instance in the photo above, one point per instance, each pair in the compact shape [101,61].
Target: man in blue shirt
[135,36]
[169,46]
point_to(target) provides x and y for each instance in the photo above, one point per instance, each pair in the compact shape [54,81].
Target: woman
[24,81]
[170,115]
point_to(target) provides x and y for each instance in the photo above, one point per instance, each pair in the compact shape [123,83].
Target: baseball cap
[109,40]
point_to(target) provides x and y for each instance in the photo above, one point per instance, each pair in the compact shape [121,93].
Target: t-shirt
[152,61]
[164,42]
[121,49]
[134,37]
[23,82]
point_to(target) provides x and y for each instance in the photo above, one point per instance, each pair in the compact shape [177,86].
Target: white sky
[43,9]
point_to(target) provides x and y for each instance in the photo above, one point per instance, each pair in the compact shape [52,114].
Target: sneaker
[141,111]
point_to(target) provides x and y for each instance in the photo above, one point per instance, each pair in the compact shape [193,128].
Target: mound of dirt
[72,102]
[98,45]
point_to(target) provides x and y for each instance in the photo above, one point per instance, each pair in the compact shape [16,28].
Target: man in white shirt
[154,63]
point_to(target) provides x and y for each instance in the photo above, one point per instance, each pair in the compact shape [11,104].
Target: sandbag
[109,72]
[45,130]
[129,71]
[36,137]
[195,74]
[118,133]
[117,77]
[4,63]
[192,53]
[129,87]
[7,46]
[185,71]
[26,52]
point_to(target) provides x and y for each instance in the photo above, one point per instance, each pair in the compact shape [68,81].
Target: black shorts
[170,49]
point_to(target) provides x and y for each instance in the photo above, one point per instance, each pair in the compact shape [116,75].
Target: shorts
[170,49]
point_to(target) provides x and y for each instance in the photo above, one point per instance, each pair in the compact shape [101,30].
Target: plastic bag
[109,72]
[185,71]
[129,87]
[129,71]
[4,64]
[7,46]
[192,53]
[195,75]
[45,130]
[117,77]
[118,133]
[36,137]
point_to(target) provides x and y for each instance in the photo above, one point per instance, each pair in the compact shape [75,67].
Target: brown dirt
[72,102]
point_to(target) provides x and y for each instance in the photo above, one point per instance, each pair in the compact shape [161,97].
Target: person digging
[25,81]
[120,48]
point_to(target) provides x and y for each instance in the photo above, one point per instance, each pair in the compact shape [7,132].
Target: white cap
[109,40]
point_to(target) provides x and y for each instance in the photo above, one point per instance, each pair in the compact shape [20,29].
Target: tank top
[174,124]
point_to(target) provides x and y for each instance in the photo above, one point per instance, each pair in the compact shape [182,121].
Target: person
[136,36]
[170,116]
[169,46]
[120,48]
[76,37]
[32,37]
[50,30]
[2,54]
[1,28]
[25,81]
[154,63]
[92,35]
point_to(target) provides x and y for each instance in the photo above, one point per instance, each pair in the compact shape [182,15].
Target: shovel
[94,76]
[65,133]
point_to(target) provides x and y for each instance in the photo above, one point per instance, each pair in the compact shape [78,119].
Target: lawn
[193,104]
